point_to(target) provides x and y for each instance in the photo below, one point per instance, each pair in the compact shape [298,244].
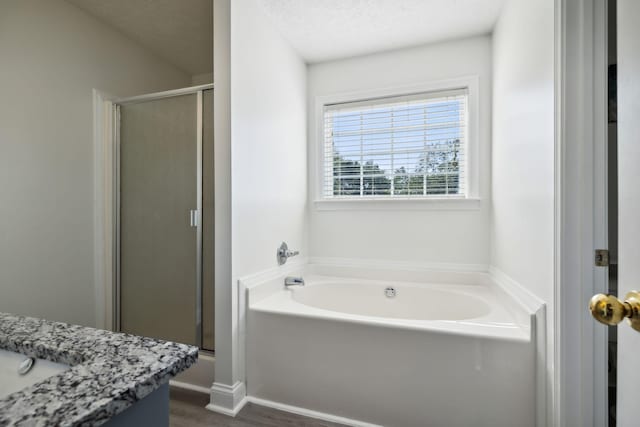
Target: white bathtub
[11,381]
[390,301]
[436,354]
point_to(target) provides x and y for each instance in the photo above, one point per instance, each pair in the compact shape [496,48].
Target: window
[400,147]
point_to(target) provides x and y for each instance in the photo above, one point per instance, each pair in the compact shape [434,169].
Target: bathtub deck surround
[378,346]
[455,309]
[109,376]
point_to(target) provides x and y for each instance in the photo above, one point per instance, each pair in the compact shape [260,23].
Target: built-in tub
[392,301]
[435,354]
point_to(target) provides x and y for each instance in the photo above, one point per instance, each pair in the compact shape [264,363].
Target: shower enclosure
[165,216]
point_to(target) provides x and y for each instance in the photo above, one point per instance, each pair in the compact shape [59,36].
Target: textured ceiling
[180,31]
[322,30]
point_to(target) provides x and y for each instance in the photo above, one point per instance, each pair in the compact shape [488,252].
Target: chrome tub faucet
[293,281]
[284,253]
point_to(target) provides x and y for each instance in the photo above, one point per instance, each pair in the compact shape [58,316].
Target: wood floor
[188,410]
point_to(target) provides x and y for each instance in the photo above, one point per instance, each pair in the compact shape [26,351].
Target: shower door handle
[193,218]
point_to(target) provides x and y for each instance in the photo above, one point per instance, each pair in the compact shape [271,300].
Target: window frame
[470,201]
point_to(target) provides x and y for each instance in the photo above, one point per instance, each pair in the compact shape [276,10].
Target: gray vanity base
[153,410]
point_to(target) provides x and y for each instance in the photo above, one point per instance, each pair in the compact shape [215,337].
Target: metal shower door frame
[198,91]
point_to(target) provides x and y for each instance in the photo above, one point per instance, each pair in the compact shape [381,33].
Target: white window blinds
[397,147]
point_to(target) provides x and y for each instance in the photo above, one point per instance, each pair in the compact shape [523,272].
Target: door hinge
[601,258]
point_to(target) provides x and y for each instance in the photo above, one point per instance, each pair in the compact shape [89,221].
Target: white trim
[189,386]
[599,203]
[471,83]
[227,400]
[443,203]
[580,347]
[557,414]
[102,208]
[309,413]
[226,345]
[544,391]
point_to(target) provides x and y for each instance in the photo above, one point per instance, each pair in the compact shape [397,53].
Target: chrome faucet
[284,253]
[293,281]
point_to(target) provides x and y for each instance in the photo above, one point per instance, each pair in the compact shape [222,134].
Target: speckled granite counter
[110,372]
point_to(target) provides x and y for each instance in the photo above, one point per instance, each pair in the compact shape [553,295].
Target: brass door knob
[610,310]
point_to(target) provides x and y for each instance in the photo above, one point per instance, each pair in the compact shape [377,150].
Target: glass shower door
[208,223]
[158,175]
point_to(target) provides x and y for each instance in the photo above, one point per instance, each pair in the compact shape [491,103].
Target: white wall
[53,55]
[268,134]
[224,298]
[421,236]
[522,220]
[268,161]
[523,145]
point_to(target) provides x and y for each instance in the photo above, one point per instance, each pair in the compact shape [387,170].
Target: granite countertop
[109,371]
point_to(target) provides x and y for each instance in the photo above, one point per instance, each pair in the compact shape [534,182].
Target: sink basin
[11,380]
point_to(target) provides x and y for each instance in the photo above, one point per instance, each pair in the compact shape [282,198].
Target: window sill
[435,204]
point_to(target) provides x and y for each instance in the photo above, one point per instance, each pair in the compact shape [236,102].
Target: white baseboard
[224,411]
[188,386]
[226,399]
[309,413]
[200,374]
